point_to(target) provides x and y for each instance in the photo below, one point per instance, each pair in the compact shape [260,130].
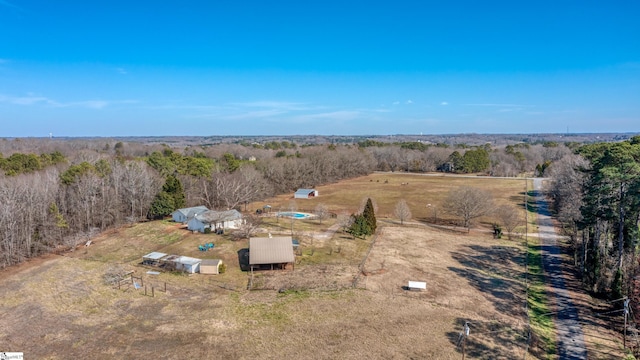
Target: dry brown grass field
[344,300]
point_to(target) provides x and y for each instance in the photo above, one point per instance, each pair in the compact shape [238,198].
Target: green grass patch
[294,294]
[276,314]
[541,321]
[170,238]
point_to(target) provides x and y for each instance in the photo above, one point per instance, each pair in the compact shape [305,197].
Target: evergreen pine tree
[359,226]
[370,216]
[173,187]
[162,205]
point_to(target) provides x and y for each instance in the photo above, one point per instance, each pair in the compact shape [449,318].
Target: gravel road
[570,339]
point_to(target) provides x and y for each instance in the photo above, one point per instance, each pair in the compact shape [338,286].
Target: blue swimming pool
[295,215]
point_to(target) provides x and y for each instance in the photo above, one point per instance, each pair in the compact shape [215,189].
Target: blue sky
[132,68]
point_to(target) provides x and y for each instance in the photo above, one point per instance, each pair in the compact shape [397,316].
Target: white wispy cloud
[444,103]
[498,105]
[26,100]
[35,100]
[293,112]
[121,71]
[396,102]
[258,114]
[92,104]
[187,107]
[8,4]
[341,115]
[283,105]
[409,102]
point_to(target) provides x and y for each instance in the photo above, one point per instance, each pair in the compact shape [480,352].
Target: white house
[230,219]
[183,215]
[305,193]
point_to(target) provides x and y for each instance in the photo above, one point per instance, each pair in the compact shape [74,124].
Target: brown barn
[271,253]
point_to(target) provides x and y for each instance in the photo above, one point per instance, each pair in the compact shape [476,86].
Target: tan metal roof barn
[270,251]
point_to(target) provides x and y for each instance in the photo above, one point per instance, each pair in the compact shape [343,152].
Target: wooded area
[57,194]
[596,193]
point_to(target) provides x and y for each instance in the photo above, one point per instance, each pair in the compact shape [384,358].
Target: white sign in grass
[417,285]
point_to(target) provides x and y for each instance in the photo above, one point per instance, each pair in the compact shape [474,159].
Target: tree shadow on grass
[489,339]
[497,272]
[531,200]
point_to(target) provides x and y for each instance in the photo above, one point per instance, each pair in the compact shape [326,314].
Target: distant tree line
[55,194]
[510,161]
[19,163]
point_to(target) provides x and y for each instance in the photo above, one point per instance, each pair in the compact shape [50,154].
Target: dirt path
[570,338]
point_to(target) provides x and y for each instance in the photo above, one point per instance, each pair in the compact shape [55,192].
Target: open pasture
[425,194]
[343,300]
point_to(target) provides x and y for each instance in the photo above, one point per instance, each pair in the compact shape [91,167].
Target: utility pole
[626,315]
[465,333]
[526,212]
[526,263]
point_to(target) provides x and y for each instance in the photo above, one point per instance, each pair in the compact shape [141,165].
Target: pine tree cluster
[365,223]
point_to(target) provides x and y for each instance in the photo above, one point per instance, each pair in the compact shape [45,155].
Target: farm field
[343,300]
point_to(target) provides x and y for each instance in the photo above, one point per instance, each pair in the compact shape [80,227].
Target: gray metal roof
[208,262]
[188,260]
[275,250]
[154,255]
[305,191]
[192,211]
[211,216]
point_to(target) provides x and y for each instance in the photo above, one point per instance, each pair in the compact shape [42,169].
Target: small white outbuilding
[417,285]
[305,193]
[188,264]
[210,266]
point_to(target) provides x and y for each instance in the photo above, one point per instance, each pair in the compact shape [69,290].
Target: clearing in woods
[337,303]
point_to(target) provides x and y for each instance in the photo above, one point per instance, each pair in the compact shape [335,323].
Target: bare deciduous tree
[322,212]
[137,182]
[510,218]
[344,220]
[468,203]
[229,190]
[249,227]
[402,211]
